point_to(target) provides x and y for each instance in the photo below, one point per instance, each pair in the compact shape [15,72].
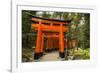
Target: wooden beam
[42,43]
[48,28]
[38,43]
[48,21]
[61,40]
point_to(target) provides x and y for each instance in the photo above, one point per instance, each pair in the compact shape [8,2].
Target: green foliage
[27,55]
[79,28]
[82,53]
[84,32]
[26,23]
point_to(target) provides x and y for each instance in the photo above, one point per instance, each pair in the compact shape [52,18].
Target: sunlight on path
[53,56]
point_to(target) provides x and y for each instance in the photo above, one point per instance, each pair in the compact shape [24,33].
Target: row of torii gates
[51,29]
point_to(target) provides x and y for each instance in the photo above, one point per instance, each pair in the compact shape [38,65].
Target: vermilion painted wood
[48,28]
[38,46]
[61,39]
[52,30]
[42,43]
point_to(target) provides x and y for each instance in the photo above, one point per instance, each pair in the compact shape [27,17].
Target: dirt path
[52,56]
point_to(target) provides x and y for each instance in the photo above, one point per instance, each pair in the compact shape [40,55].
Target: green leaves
[79,28]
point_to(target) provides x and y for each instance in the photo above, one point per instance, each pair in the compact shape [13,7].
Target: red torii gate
[50,29]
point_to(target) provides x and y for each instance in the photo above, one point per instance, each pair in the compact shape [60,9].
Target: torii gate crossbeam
[43,25]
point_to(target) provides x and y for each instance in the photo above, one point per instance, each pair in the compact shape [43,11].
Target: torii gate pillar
[38,43]
[61,42]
